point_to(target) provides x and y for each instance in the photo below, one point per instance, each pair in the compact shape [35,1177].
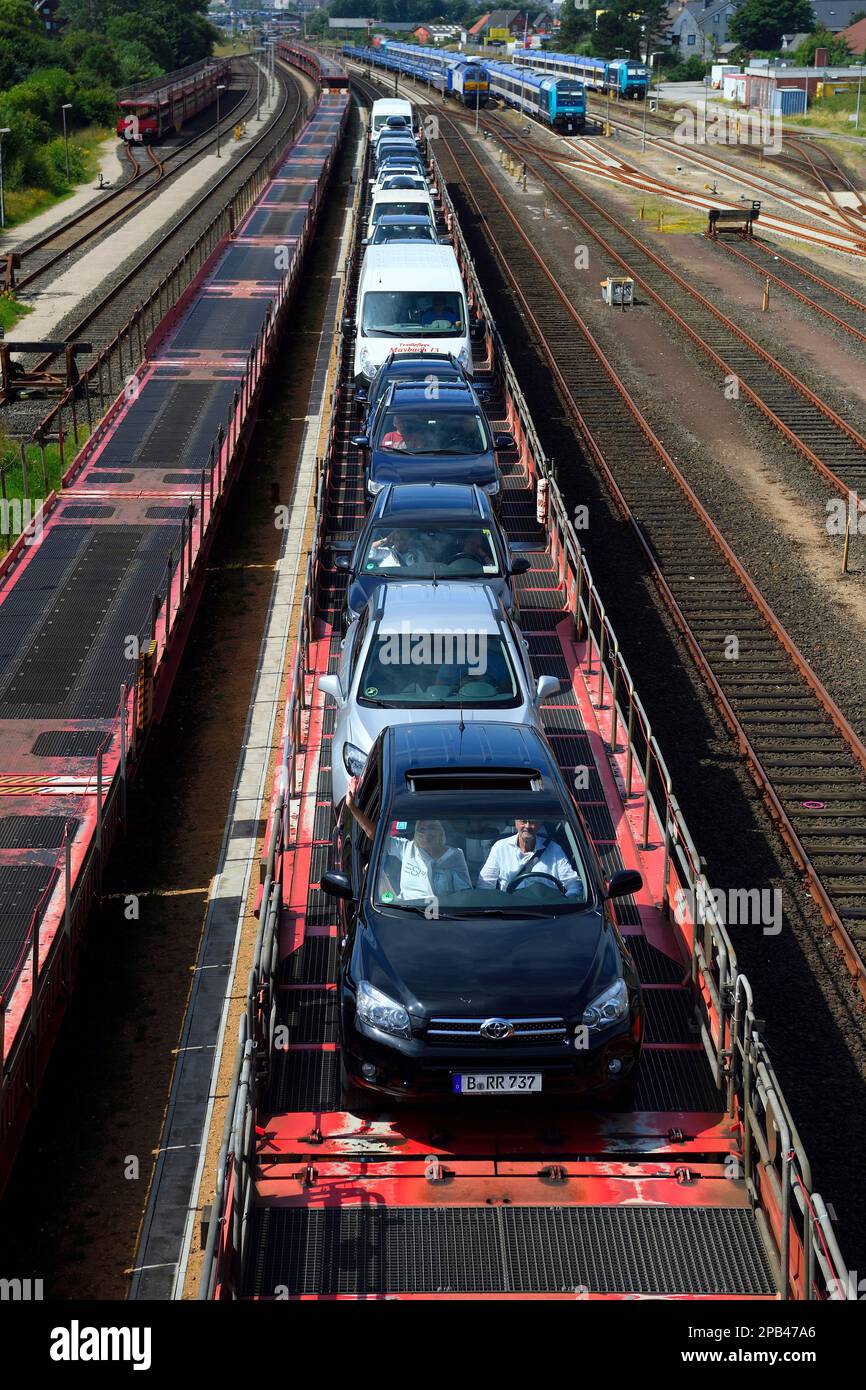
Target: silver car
[417,654]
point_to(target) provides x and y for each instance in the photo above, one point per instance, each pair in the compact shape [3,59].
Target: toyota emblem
[497,1029]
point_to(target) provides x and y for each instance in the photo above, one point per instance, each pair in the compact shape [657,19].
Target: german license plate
[495,1083]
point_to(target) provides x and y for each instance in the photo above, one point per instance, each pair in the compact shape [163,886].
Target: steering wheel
[530,873]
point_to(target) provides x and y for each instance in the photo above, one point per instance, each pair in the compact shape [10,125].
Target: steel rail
[799,294]
[842,486]
[761,776]
[175,227]
[162,176]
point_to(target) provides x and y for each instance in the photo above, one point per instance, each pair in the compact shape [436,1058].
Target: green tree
[574,24]
[836,46]
[761,23]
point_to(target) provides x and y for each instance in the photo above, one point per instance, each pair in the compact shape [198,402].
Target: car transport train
[623,78]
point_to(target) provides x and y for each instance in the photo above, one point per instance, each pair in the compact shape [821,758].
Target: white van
[410,299]
[400,202]
[389,106]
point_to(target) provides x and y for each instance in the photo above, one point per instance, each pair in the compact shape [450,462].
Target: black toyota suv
[425,532]
[479,953]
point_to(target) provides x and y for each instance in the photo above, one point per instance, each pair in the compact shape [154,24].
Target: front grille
[451,1032]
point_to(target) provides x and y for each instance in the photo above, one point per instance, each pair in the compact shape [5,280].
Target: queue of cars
[479,952]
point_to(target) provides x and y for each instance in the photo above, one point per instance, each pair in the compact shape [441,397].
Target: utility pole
[67,106]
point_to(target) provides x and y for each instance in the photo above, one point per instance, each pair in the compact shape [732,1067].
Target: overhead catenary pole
[4,130]
[67,106]
[220,88]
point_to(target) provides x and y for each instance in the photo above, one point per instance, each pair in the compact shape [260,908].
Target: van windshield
[393,314]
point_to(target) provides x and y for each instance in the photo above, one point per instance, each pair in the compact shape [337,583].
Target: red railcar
[150,110]
[325,70]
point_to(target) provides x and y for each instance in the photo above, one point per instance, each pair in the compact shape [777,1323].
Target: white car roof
[419,265]
[400,195]
[463,606]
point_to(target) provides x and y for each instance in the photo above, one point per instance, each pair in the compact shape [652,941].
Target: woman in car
[429,866]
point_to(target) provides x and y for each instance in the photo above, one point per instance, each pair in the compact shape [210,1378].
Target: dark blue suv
[423,368]
[424,532]
[479,953]
[436,432]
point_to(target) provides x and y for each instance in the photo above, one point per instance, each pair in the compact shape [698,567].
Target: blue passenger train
[559,102]
[451,73]
[454,75]
[623,78]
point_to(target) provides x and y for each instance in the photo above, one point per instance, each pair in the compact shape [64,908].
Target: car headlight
[365,359]
[464,357]
[354,760]
[491,489]
[376,1010]
[373,487]
[608,1007]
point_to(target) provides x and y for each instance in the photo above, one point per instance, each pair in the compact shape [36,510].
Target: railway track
[835,448]
[114,308]
[829,301]
[800,749]
[150,171]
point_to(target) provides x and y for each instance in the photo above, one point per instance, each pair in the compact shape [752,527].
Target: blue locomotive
[453,74]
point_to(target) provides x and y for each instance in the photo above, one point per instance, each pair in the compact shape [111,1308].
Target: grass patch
[833,113]
[231,50]
[24,203]
[674,218]
[11,310]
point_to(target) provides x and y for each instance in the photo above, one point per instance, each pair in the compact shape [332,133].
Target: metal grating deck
[507,1249]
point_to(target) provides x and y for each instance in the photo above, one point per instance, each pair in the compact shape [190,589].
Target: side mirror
[504,441]
[342,562]
[623,882]
[547,687]
[365,241]
[330,685]
[476,328]
[346,325]
[521,564]
[337,885]
[361,396]
[360,441]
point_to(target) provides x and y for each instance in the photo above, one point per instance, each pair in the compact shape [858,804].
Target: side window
[352,645]
[364,844]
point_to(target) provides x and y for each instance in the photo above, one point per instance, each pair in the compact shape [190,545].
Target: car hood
[514,968]
[396,467]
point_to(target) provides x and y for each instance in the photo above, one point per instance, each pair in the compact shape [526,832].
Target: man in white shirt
[527,852]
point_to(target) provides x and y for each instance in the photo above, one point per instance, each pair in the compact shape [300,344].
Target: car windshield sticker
[371,564]
[387,897]
[372,691]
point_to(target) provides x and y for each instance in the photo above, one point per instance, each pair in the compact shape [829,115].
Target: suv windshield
[395,313]
[414,553]
[492,864]
[413,208]
[440,670]
[461,433]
